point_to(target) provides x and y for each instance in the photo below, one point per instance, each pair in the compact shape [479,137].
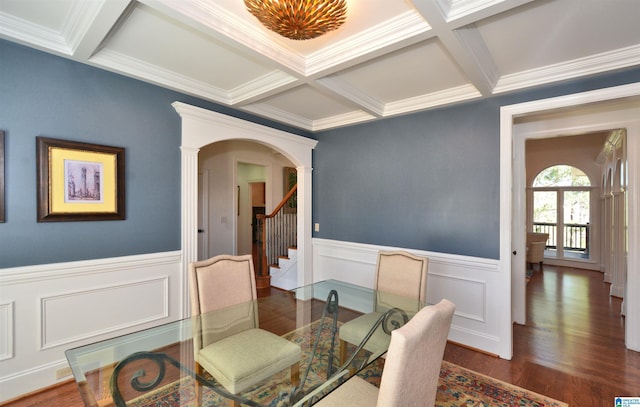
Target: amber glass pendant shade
[299,19]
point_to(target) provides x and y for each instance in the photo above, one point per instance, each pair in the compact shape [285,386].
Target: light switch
[316,227]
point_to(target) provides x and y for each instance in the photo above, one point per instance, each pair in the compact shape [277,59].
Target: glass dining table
[156,366]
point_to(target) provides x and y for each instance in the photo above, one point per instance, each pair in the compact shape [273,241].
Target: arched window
[561,208]
[561,176]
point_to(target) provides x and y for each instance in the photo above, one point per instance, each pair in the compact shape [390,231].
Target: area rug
[457,387]
[529,275]
[463,387]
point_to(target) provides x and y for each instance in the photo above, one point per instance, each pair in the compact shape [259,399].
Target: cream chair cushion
[246,358]
[400,281]
[228,342]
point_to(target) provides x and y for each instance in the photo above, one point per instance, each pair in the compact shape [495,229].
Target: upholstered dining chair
[229,344]
[412,367]
[398,273]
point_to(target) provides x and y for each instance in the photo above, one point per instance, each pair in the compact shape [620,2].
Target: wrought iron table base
[386,320]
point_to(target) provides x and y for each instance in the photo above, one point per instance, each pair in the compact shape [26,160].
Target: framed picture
[290,178]
[2,208]
[79,181]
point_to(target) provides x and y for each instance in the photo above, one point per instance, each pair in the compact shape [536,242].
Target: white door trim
[512,204]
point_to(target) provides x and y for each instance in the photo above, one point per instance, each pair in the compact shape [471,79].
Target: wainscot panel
[471,283]
[47,309]
[6,331]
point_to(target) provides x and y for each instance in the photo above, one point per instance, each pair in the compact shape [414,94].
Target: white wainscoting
[47,309]
[471,283]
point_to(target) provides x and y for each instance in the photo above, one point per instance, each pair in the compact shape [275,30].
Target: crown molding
[63,42]
[606,61]
[124,64]
[459,9]
[441,98]
[29,34]
[341,120]
[393,32]
[273,113]
[261,87]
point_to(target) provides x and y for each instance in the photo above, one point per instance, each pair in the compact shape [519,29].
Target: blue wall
[45,95]
[427,181]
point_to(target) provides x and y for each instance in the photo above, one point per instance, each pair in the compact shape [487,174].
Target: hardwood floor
[571,349]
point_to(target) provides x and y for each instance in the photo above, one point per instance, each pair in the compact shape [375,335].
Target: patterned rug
[463,387]
[458,386]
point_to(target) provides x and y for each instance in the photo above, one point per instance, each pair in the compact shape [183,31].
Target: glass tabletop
[157,366]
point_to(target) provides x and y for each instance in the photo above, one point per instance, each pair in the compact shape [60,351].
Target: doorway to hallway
[567,115]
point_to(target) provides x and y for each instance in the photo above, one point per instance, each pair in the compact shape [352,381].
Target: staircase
[277,241]
[284,275]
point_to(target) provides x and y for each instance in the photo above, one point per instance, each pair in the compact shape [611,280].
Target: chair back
[537,237]
[402,274]
[223,293]
[412,368]
[536,244]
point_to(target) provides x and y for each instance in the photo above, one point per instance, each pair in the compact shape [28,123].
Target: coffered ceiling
[391,57]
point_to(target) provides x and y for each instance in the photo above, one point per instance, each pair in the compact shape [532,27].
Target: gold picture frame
[79,181]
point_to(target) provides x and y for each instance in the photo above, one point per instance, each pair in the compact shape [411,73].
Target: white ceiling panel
[415,70]
[151,37]
[309,103]
[33,12]
[391,57]
[578,29]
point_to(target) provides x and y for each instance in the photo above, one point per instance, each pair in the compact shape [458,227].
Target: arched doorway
[201,127]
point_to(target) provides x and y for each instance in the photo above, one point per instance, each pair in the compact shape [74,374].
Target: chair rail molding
[201,127]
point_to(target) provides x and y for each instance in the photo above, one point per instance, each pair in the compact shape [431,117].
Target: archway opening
[201,127]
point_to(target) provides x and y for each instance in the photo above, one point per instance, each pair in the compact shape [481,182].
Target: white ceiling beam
[465,12]
[462,45]
[91,29]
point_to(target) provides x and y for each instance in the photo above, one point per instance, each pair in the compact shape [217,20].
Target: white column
[608,235]
[305,251]
[632,297]
[189,232]
[619,251]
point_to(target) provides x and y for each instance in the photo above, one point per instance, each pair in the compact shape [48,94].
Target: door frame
[203,214]
[614,107]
